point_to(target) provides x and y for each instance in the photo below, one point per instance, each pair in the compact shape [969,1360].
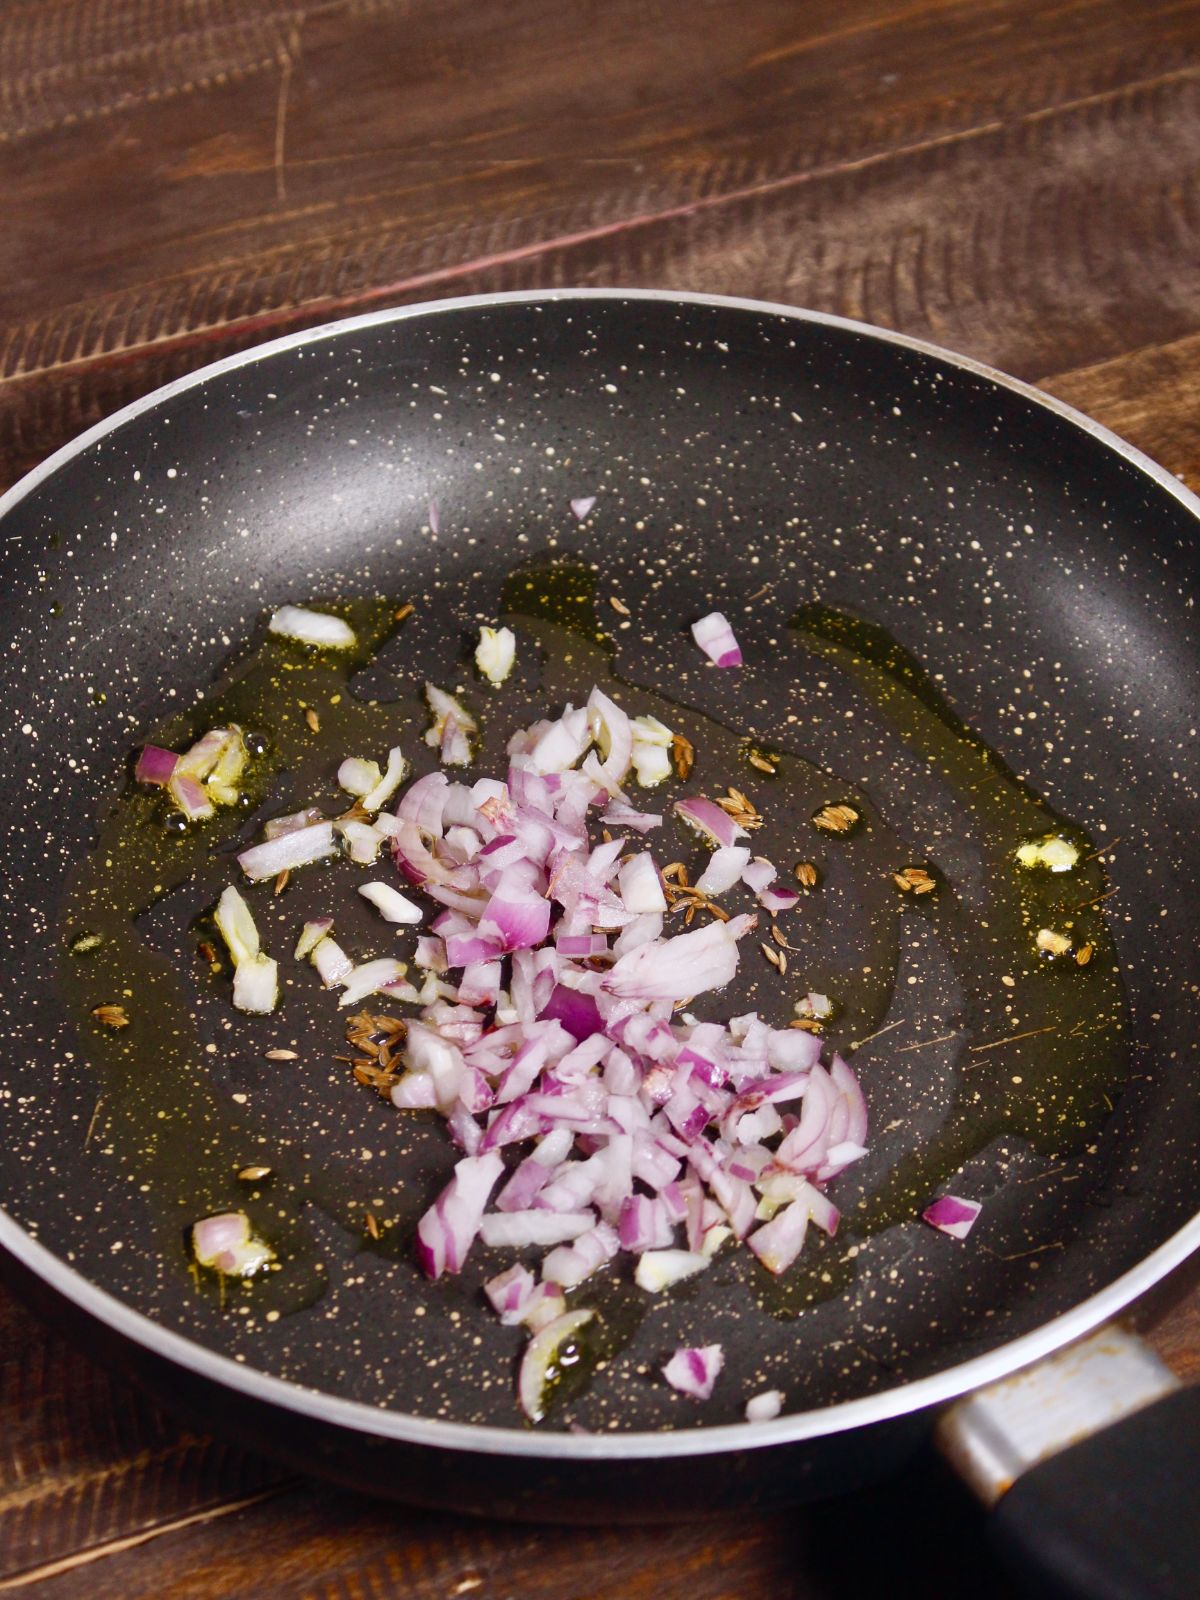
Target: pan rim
[356,1416]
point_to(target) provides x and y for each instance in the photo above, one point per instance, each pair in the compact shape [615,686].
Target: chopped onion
[358,777]
[155,765]
[659,1269]
[311,935]
[715,637]
[517,1229]
[673,969]
[545,1355]
[291,823]
[724,869]
[953,1215]
[362,842]
[640,885]
[369,978]
[495,653]
[447,1230]
[390,903]
[313,627]
[709,820]
[581,505]
[333,965]
[288,851]
[255,975]
[445,706]
[764,1407]
[226,1243]
[394,775]
[694,1370]
[190,797]
[256,985]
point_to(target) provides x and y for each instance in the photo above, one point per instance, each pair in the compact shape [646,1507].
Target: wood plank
[950,240]
[412,146]
[323,1546]
[85,1458]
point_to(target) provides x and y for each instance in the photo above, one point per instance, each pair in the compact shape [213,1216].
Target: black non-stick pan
[960,602]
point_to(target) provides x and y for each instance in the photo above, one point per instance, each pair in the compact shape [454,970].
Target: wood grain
[181,178]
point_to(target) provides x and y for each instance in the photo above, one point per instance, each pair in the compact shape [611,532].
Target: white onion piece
[370,978]
[311,935]
[640,886]
[724,869]
[358,777]
[544,1353]
[764,1407]
[255,975]
[613,733]
[313,627]
[333,965]
[715,637]
[256,985]
[651,764]
[659,1269]
[517,1229]
[288,851]
[362,841]
[390,903]
[291,823]
[694,1370]
[393,776]
[226,1243]
[236,926]
[447,711]
[495,653]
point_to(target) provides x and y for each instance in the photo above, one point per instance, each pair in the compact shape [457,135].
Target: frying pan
[1024,575]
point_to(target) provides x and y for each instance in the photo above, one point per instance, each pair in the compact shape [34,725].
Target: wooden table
[1017,179]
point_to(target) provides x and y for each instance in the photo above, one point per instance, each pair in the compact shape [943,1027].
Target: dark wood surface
[1017,179]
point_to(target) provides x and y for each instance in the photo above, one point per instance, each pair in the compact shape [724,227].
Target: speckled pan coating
[1046,577]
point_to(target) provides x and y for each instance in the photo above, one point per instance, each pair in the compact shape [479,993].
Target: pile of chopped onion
[593,1114]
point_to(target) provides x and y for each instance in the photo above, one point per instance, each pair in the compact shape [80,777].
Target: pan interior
[771,466]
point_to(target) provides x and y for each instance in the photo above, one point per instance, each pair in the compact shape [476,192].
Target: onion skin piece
[537,1364]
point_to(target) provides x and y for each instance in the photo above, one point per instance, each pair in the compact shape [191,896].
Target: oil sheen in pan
[168,1116]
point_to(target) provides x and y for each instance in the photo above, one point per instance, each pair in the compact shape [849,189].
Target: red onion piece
[709,820]
[694,1370]
[659,1269]
[581,505]
[447,1230]
[673,969]
[715,637]
[724,869]
[517,1229]
[953,1215]
[155,765]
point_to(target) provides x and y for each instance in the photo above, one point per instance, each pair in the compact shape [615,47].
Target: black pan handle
[1090,1461]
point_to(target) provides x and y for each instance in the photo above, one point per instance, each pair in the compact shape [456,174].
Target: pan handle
[1090,1462]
